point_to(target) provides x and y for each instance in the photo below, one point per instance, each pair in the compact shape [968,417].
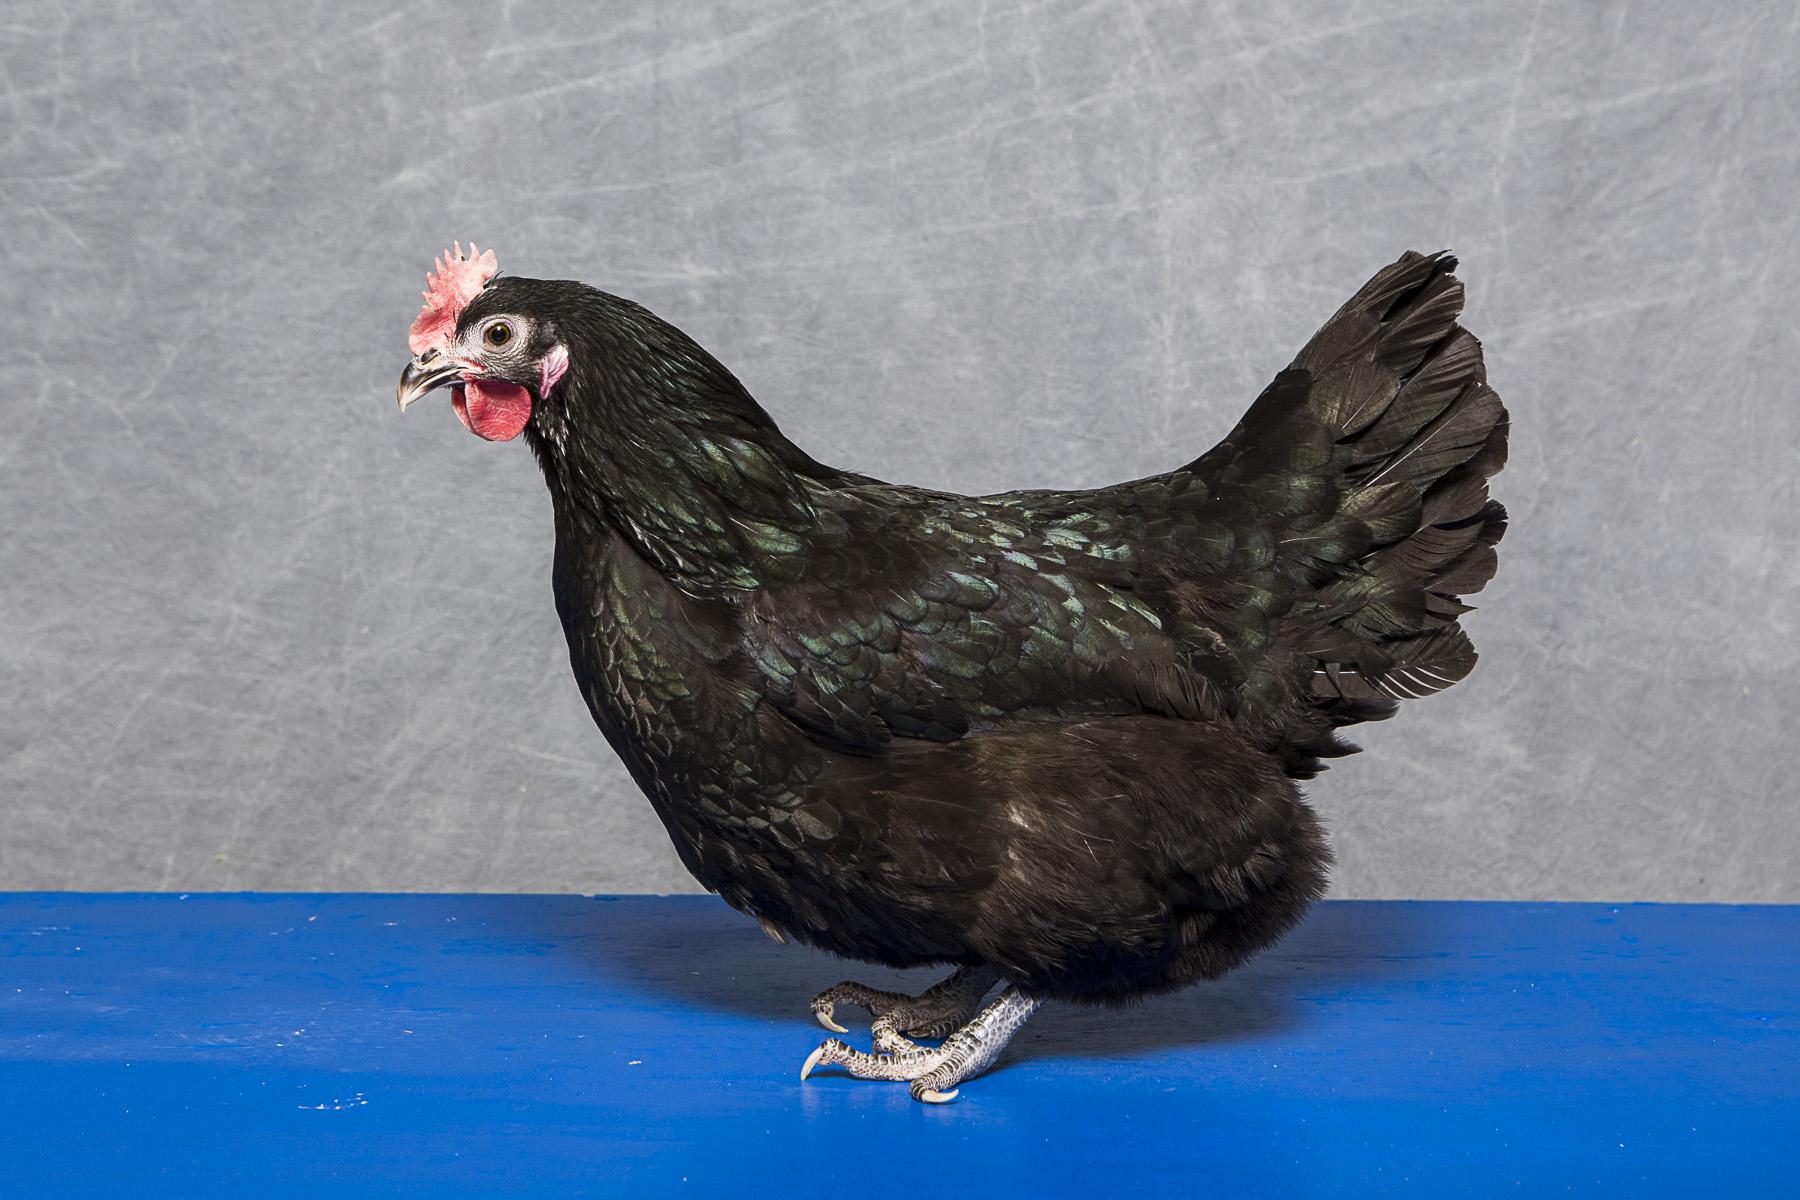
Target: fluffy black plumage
[1056,732]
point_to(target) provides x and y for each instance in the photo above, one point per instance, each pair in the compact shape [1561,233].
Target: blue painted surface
[350,1045]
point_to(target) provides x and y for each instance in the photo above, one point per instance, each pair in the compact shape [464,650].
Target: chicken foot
[934,1013]
[934,1071]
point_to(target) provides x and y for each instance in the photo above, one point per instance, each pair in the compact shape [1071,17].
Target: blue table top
[347,1045]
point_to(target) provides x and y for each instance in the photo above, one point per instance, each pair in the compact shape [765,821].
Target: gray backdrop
[259,631]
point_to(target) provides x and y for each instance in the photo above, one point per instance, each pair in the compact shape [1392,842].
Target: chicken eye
[498,334]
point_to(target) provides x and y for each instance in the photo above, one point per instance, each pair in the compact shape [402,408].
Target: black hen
[1049,737]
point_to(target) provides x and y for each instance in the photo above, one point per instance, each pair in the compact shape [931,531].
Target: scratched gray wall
[258,631]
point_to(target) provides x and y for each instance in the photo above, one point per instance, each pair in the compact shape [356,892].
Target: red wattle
[492,408]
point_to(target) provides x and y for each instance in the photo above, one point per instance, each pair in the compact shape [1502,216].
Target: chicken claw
[934,1071]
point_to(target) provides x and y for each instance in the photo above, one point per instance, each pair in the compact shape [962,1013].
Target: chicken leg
[934,1013]
[931,1070]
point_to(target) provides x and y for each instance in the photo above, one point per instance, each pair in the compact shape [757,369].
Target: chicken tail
[1385,432]
[1420,433]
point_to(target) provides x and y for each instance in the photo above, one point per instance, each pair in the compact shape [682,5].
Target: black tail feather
[1404,391]
[1361,474]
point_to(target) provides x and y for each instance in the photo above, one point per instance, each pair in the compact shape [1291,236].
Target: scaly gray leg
[932,1069]
[934,1013]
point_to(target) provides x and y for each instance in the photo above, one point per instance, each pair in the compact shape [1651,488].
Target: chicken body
[1035,814]
[1052,738]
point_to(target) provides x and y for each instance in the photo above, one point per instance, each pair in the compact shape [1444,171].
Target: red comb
[455,280]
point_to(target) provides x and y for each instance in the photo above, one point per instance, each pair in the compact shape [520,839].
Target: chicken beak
[432,370]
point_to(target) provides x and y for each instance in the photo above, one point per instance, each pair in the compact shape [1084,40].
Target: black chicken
[1051,738]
